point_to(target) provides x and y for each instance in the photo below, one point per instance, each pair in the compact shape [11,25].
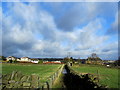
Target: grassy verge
[108,76]
[44,71]
[59,82]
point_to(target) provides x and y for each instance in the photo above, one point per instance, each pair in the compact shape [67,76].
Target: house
[18,59]
[111,61]
[52,62]
[11,58]
[25,59]
[34,60]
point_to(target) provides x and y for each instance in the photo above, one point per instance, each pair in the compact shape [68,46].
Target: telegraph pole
[69,54]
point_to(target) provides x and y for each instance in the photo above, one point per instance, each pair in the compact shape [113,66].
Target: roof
[10,57]
[24,57]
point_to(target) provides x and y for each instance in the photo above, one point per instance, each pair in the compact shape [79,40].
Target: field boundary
[50,82]
[18,80]
[94,77]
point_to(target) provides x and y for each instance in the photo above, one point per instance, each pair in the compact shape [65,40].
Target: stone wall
[17,80]
[92,77]
[77,81]
[49,83]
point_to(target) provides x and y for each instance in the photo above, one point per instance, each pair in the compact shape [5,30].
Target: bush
[40,62]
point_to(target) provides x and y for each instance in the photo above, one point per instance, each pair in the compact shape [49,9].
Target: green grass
[0,68]
[59,82]
[108,76]
[44,71]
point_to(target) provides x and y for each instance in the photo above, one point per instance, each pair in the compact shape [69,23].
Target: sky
[53,29]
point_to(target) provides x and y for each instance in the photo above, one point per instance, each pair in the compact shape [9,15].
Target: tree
[2,58]
[72,60]
[79,61]
[117,62]
[94,57]
[10,60]
[66,59]
[40,61]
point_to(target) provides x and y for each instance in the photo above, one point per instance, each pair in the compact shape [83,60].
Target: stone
[29,78]
[4,82]
[35,81]
[24,78]
[20,86]
[0,87]
[12,75]
[50,82]
[19,75]
[17,84]
[9,86]
[26,84]
[11,81]
[53,77]
[26,87]
[45,85]
[15,76]
[6,77]
[0,76]
[3,86]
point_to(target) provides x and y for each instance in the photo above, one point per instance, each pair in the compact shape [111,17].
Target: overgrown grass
[59,82]
[108,76]
[44,71]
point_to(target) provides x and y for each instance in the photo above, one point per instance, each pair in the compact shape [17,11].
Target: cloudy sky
[52,29]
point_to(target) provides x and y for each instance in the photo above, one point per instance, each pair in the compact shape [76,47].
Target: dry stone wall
[17,80]
[49,83]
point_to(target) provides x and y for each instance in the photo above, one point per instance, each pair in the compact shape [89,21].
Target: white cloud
[82,13]
[26,21]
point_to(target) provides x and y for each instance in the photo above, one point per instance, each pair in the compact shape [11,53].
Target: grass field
[108,76]
[44,71]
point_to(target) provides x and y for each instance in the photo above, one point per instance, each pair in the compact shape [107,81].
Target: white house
[36,61]
[10,58]
[25,59]
[18,59]
[54,62]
